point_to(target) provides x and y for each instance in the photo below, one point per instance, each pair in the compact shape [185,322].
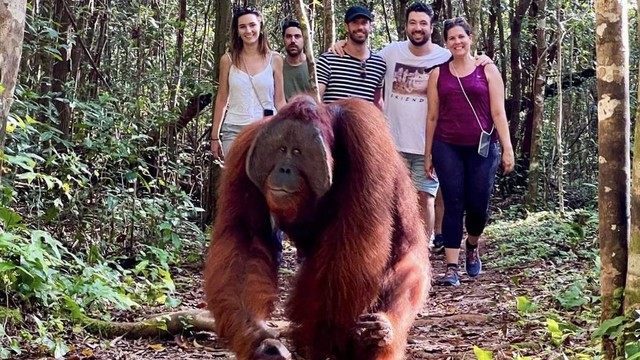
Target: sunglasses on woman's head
[237,12]
[453,22]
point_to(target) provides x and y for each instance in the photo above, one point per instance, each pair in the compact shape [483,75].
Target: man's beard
[293,51]
[424,40]
[358,41]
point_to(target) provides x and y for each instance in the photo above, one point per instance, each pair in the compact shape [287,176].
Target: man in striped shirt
[360,72]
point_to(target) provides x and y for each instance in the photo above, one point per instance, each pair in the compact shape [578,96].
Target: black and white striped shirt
[346,76]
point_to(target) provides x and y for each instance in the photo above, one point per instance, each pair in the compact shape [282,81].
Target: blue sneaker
[438,244]
[472,264]
[278,239]
[451,277]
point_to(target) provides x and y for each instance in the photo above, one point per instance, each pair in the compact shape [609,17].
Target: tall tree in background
[516,70]
[632,286]
[222,26]
[539,81]
[329,21]
[12,18]
[62,68]
[472,9]
[612,57]
[308,46]
[399,8]
[560,36]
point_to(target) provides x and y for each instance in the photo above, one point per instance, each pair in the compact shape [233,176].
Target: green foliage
[76,205]
[624,329]
[525,306]
[482,354]
[559,256]
[545,236]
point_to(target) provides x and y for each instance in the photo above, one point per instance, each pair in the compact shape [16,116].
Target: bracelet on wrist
[215,139]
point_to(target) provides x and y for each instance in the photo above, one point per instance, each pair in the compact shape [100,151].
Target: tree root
[155,326]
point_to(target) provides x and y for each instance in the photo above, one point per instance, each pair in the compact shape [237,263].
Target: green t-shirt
[296,79]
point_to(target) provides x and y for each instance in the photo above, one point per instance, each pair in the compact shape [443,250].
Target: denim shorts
[228,133]
[422,182]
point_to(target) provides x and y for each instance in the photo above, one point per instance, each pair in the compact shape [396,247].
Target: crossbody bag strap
[493,126]
[255,91]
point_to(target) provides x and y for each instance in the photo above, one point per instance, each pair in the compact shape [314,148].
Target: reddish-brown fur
[365,251]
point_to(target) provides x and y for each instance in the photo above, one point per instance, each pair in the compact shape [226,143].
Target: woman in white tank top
[250,83]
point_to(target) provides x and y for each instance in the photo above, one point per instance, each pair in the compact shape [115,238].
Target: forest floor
[532,301]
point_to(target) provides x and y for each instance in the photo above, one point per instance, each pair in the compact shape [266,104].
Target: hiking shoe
[278,239]
[438,244]
[472,264]
[450,278]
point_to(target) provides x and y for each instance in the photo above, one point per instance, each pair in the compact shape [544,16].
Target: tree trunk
[77,55]
[170,131]
[101,45]
[308,47]
[12,19]
[438,17]
[328,19]
[494,13]
[399,8]
[516,70]
[61,69]
[632,287]
[539,80]
[503,47]
[177,64]
[472,9]
[559,119]
[386,22]
[221,31]
[612,59]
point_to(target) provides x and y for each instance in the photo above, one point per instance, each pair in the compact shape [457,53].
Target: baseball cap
[357,11]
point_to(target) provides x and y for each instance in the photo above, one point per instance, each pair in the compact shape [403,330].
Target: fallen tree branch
[156,325]
[468,318]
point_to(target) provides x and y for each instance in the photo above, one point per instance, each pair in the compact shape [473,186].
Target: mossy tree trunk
[12,19]
[329,21]
[612,56]
[301,13]
[632,286]
[539,81]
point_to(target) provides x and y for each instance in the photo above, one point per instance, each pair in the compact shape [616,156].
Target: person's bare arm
[279,98]
[499,116]
[432,119]
[338,47]
[378,99]
[482,60]
[321,89]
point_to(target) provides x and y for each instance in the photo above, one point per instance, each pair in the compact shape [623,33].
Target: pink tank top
[456,122]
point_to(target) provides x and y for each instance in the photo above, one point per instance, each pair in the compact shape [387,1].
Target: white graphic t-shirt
[405,93]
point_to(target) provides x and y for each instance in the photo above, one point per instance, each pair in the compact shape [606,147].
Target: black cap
[357,11]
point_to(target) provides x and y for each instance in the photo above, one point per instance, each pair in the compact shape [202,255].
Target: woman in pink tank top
[465,106]
[250,84]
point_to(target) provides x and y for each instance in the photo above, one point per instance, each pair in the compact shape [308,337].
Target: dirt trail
[480,312]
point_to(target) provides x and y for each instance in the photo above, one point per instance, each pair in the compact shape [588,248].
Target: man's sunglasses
[363,70]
